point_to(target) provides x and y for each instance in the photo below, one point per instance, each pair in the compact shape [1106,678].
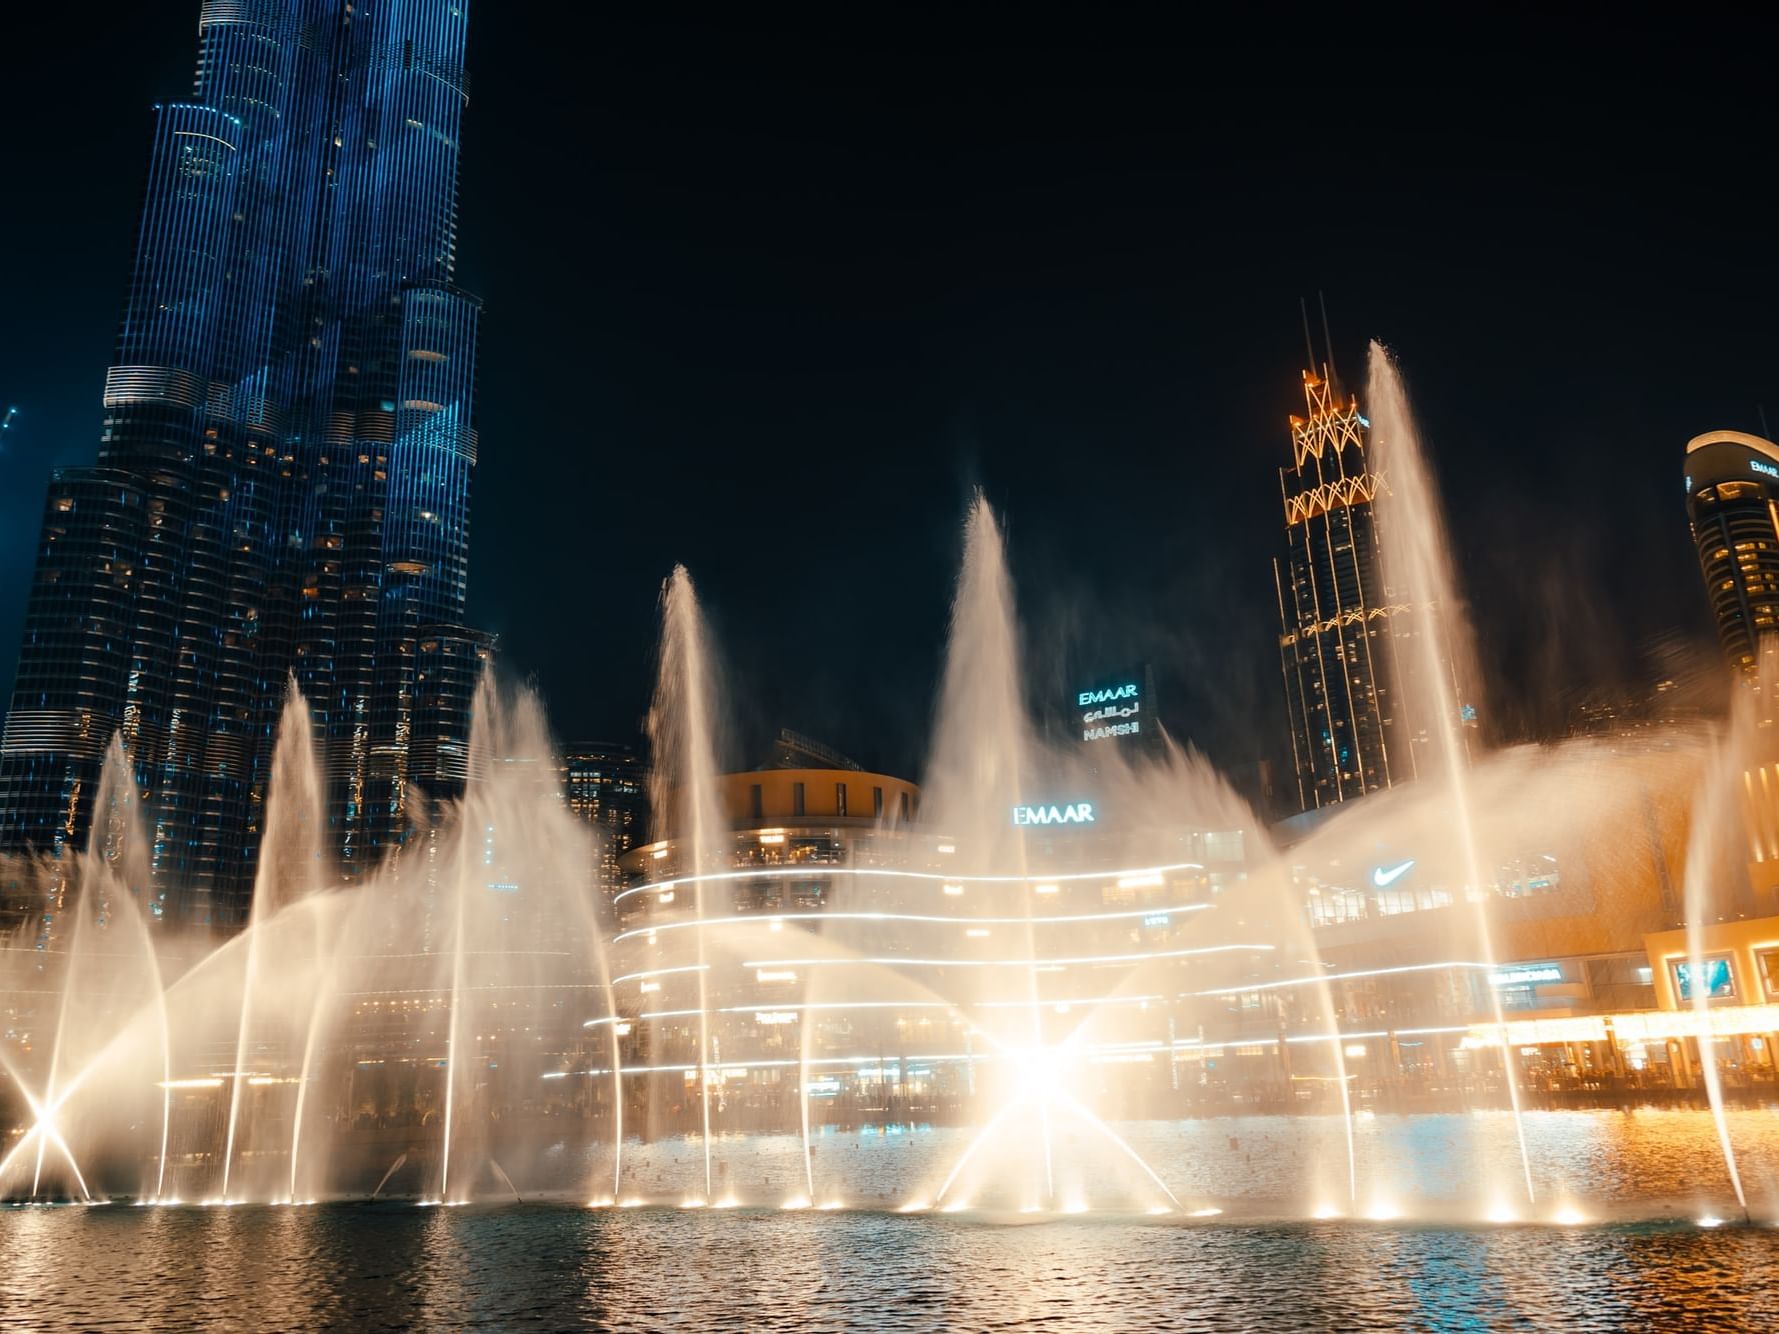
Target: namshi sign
[1112,709]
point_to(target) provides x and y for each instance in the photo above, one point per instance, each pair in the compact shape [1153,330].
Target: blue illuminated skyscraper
[283,482]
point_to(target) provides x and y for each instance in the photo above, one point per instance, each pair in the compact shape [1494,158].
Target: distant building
[1336,644]
[1732,487]
[606,786]
[283,477]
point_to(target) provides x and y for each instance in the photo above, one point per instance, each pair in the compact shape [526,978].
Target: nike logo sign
[1384,879]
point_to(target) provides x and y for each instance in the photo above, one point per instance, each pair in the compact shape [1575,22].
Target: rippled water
[390,1266]
[1260,1265]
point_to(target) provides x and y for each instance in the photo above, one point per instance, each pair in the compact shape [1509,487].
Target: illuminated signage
[1719,982]
[1111,710]
[1385,876]
[1080,812]
[1766,469]
[1528,976]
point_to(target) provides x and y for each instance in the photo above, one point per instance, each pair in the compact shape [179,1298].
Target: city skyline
[1140,354]
[1047,845]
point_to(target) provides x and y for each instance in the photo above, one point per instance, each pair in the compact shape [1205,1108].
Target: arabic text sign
[1110,711]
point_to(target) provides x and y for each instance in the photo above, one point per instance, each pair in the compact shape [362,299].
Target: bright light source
[1324,1212]
[1382,1211]
[658,853]
[1355,1049]
[914,1207]
[647,987]
[1568,1216]
[776,1017]
[772,836]
[1710,1221]
[1139,881]
[977,932]
[1044,889]
[1501,1213]
[796,1202]
[665,896]
[1209,1211]
[946,848]
[774,975]
[954,890]
[190,1084]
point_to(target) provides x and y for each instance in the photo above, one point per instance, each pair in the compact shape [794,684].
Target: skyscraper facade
[283,481]
[1732,502]
[605,785]
[1336,643]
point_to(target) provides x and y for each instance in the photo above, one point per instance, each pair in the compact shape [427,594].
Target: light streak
[660,972]
[1013,963]
[1341,977]
[1063,919]
[893,873]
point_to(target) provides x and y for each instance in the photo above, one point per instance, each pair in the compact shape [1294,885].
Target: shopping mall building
[828,922]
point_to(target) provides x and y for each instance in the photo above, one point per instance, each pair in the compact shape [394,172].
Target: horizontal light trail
[817,868]
[1374,1033]
[774,1009]
[1035,919]
[878,1005]
[1342,977]
[1064,1000]
[1084,960]
[661,972]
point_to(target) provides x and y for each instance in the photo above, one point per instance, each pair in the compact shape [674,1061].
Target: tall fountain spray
[1434,648]
[1713,845]
[683,784]
[980,765]
[289,867]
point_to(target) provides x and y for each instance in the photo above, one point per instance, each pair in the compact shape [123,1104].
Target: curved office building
[1732,487]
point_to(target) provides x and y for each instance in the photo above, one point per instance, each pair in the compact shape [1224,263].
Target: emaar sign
[1111,710]
[1080,812]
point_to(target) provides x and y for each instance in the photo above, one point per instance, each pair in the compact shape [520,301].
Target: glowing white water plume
[1417,568]
[682,782]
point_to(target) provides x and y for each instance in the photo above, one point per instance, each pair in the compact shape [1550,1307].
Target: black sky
[769,298]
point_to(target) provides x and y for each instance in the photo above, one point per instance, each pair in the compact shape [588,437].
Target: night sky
[770,299]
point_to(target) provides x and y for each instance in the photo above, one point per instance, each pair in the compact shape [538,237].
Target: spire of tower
[1327,338]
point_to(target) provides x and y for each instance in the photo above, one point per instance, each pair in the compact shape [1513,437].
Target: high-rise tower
[1732,502]
[282,489]
[1335,644]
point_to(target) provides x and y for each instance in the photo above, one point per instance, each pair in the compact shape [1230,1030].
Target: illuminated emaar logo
[1080,812]
[1765,469]
[1111,693]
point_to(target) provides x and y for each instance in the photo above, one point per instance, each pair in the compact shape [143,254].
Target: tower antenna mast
[1327,338]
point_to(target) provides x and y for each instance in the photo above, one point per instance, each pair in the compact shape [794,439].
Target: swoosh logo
[1383,879]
